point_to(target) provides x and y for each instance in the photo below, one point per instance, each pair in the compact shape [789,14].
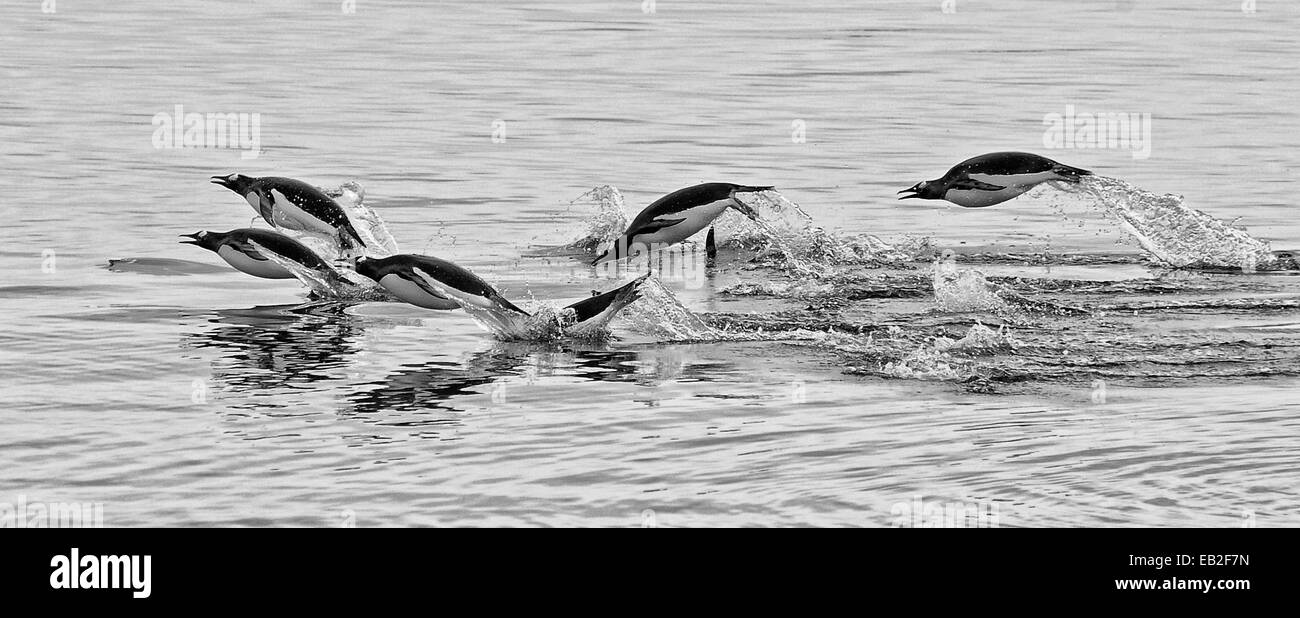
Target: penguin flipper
[652,226]
[421,283]
[970,184]
[248,250]
[266,209]
[352,231]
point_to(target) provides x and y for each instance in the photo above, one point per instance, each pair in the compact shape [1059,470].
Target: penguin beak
[914,192]
[220,180]
[194,239]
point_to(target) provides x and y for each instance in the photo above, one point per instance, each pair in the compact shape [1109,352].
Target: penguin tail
[509,306]
[610,302]
[1070,174]
[351,235]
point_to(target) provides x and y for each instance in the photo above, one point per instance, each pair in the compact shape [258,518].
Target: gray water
[175,391]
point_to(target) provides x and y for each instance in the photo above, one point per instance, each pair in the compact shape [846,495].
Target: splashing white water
[379,240]
[334,284]
[545,321]
[661,315]
[1172,232]
[606,224]
[784,236]
[959,290]
[942,357]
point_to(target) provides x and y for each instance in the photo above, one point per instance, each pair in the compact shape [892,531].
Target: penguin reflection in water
[678,216]
[295,205]
[435,283]
[992,179]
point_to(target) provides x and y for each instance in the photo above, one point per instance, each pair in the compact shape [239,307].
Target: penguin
[236,248]
[678,216]
[417,279]
[295,205]
[604,306]
[992,179]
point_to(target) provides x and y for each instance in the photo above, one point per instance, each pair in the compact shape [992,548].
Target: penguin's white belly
[414,294]
[287,214]
[1013,185]
[695,219]
[976,198]
[265,269]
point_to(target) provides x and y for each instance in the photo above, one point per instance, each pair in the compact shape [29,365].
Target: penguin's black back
[683,199]
[448,273]
[312,200]
[280,245]
[1003,164]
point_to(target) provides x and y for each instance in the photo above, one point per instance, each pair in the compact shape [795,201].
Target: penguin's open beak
[194,239]
[220,180]
[913,191]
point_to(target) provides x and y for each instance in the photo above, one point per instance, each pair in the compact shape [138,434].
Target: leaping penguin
[678,216]
[295,205]
[992,179]
[417,279]
[236,248]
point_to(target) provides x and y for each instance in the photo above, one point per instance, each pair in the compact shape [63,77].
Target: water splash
[963,290]
[662,316]
[545,322]
[379,240]
[329,283]
[959,290]
[606,224]
[1172,232]
[785,237]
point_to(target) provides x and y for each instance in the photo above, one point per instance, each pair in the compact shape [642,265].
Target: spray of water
[1170,231]
[379,240]
[785,237]
[606,224]
[962,290]
[662,316]
[944,358]
[329,283]
[544,322]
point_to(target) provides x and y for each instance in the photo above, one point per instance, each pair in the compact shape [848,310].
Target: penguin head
[238,183]
[925,190]
[368,267]
[208,240]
